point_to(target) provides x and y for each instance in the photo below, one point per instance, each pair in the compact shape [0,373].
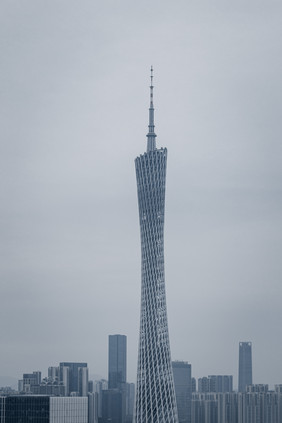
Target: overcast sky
[74,115]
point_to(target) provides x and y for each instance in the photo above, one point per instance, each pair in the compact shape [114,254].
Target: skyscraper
[83,381]
[112,406]
[114,398]
[69,375]
[117,361]
[245,366]
[183,389]
[155,395]
[215,383]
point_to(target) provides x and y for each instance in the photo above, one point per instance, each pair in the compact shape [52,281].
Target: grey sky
[74,115]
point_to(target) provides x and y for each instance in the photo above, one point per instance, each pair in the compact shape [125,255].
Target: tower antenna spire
[151,136]
[152,87]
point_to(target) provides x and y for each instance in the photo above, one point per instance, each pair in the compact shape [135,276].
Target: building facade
[113,405]
[68,410]
[155,395]
[29,380]
[183,389]
[245,366]
[117,361]
[257,405]
[129,406]
[215,383]
[71,376]
[43,409]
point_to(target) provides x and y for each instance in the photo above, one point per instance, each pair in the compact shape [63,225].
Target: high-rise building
[183,389]
[112,406]
[221,383]
[50,388]
[99,387]
[215,383]
[114,399]
[257,405]
[245,366]
[68,410]
[91,386]
[43,409]
[83,381]
[65,378]
[29,380]
[129,407]
[117,361]
[53,373]
[69,375]
[155,395]
[203,384]
[93,407]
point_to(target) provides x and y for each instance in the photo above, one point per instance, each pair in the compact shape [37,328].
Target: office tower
[93,407]
[90,386]
[69,376]
[183,389]
[215,383]
[25,408]
[117,361]
[258,406]
[112,406]
[68,410]
[193,382]
[203,385]
[65,378]
[100,386]
[43,409]
[29,380]
[130,396]
[53,373]
[155,396]
[83,381]
[245,366]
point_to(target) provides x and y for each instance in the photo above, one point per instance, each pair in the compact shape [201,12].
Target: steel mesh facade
[155,395]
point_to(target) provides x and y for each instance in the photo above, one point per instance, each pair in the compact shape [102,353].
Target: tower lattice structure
[155,400]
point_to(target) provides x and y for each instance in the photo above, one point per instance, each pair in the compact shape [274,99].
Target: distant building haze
[183,389]
[245,376]
[117,361]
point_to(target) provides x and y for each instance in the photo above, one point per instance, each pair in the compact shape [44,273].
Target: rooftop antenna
[151,136]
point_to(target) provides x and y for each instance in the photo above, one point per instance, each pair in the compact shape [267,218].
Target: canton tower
[155,400]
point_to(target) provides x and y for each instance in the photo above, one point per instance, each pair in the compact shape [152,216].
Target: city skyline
[74,108]
[214,399]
